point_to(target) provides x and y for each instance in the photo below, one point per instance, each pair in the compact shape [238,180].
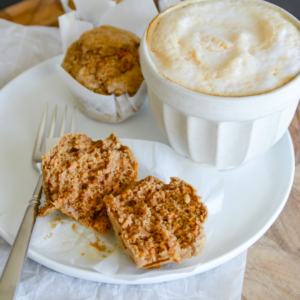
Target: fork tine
[52,125]
[39,136]
[63,121]
[72,127]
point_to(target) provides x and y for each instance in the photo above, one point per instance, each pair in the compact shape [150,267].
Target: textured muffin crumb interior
[79,173]
[158,223]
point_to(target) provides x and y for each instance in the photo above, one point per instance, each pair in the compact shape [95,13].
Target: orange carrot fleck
[56,160]
[72,167]
[171,216]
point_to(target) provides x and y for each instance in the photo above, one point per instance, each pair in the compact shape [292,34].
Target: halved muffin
[158,223]
[79,173]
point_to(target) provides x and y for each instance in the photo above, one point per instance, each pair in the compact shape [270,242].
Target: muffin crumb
[100,248]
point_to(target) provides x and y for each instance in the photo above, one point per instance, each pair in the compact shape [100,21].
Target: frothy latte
[225,47]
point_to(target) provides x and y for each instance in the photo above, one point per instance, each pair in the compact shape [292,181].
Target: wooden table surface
[273,262]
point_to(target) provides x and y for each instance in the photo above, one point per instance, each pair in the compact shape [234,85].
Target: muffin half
[79,173]
[158,223]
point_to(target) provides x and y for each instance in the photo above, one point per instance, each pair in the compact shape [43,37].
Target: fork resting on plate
[13,268]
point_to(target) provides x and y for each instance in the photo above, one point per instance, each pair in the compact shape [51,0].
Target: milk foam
[225,47]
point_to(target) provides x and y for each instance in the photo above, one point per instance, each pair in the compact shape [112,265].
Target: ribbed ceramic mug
[223,132]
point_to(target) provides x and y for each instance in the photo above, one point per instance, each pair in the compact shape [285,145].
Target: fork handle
[13,268]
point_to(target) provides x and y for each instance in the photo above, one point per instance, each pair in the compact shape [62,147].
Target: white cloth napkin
[40,283]
[20,48]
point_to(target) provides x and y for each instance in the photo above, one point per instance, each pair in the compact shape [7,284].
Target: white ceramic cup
[223,132]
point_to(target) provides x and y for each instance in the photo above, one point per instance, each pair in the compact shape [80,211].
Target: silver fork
[13,268]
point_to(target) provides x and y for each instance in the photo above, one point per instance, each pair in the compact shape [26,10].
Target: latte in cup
[228,48]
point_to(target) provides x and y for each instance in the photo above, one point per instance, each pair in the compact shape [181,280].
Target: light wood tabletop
[273,262]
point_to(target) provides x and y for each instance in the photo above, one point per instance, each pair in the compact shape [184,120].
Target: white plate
[255,193]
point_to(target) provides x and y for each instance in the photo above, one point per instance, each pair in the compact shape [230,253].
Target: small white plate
[255,193]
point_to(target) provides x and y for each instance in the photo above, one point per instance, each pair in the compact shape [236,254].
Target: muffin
[158,223]
[79,173]
[106,61]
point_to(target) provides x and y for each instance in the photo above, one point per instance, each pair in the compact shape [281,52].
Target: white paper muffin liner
[133,15]
[89,10]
